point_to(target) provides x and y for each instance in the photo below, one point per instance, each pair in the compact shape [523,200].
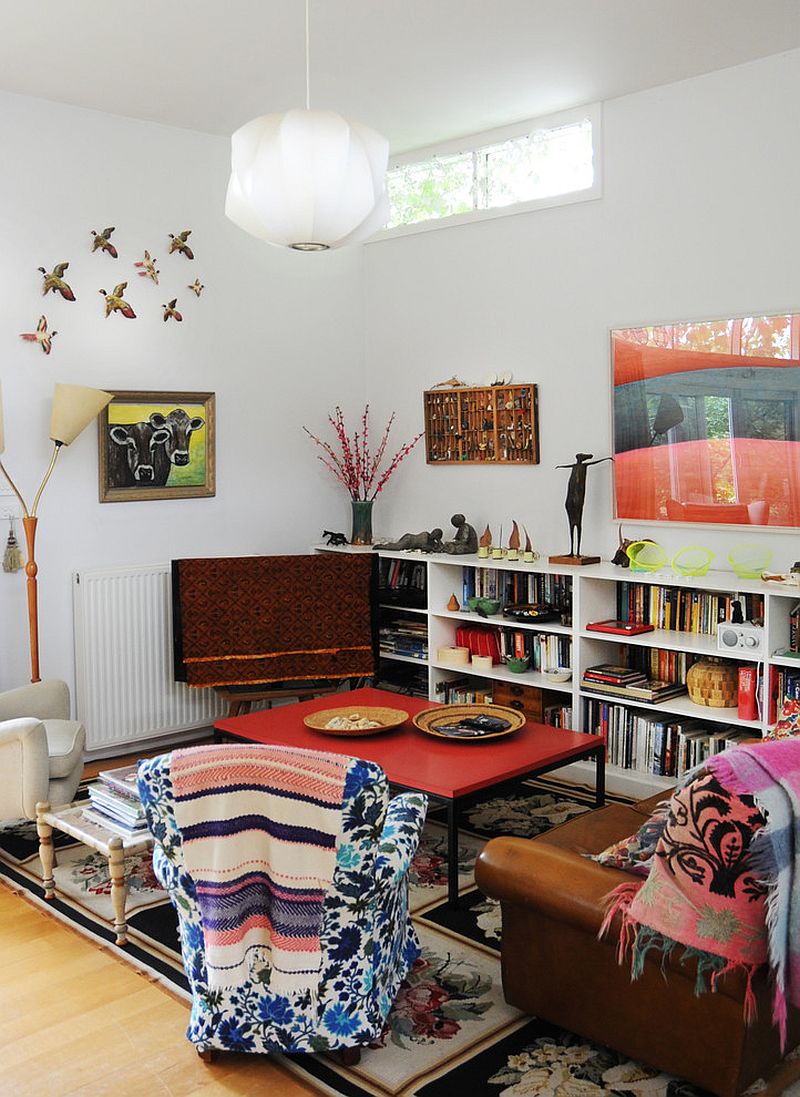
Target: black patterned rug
[450,1031]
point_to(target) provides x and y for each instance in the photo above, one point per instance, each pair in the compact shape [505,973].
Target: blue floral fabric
[367,940]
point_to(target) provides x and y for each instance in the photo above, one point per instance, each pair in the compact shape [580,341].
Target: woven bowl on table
[387,719]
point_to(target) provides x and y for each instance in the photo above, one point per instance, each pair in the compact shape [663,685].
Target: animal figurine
[103,243]
[620,557]
[334,538]
[170,312]
[54,282]
[179,244]
[196,287]
[41,335]
[116,303]
[452,383]
[148,268]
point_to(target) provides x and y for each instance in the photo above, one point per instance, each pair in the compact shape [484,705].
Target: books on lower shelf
[115,827]
[647,742]
[630,683]
[404,637]
[114,802]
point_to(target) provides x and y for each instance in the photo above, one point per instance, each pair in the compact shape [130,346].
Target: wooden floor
[78,1022]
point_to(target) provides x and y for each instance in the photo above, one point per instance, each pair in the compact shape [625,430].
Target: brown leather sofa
[554,966]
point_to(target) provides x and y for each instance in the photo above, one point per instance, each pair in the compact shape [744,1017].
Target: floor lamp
[74,407]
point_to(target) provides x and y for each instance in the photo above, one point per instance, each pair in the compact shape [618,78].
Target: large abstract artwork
[707,421]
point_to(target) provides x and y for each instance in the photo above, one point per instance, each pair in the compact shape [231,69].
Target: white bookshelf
[594,597]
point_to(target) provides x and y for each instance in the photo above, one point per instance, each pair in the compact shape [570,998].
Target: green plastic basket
[692,560]
[646,556]
[749,560]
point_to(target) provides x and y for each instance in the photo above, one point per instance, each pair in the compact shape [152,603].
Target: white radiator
[125,692]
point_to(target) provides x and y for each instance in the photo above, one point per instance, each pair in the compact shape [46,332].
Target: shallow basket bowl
[387,718]
[748,561]
[557,674]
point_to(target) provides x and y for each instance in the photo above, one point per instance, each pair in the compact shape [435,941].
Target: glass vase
[362,521]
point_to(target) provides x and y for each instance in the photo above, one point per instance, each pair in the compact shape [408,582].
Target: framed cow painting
[157,445]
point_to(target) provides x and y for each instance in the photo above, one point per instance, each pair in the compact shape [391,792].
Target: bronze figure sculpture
[465,539]
[576,496]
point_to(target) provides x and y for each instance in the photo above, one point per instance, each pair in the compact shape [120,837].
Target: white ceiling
[419,71]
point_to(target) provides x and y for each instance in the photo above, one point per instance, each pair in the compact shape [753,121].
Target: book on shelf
[652,690]
[110,802]
[114,825]
[608,672]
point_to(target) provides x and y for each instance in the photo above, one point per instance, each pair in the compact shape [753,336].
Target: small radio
[745,636]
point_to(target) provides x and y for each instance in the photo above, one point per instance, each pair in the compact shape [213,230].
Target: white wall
[698,220]
[277,335]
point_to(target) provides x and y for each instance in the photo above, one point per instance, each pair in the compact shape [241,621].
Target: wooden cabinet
[497,425]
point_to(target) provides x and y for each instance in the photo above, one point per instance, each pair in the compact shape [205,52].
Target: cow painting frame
[157,445]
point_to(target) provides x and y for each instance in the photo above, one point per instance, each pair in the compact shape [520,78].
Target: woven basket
[713,682]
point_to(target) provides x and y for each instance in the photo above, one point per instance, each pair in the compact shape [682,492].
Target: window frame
[471,143]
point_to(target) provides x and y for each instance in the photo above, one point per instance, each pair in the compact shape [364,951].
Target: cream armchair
[41,749]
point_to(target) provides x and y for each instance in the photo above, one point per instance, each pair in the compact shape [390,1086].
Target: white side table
[72,821]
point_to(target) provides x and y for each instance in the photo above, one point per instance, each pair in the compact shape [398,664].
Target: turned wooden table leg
[46,856]
[119,889]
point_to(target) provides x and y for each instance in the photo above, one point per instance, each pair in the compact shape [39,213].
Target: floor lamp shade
[307,179]
[74,407]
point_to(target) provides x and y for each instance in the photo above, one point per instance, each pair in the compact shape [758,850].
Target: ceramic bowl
[557,674]
[518,665]
[484,605]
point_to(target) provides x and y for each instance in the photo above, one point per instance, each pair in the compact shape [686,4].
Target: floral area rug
[450,1032]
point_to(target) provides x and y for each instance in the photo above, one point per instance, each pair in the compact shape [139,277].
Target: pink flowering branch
[354,465]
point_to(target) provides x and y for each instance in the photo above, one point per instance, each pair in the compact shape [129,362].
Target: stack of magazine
[115,804]
[624,682]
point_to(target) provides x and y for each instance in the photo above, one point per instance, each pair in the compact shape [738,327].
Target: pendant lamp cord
[308,65]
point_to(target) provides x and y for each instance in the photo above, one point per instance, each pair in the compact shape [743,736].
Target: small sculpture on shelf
[465,539]
[513,542]
[454,605]
[420,542]
[334,538]
[485,542]
[576,495]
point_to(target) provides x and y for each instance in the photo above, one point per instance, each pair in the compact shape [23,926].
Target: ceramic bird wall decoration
[148,268]
[116,303]
[54,282]
[178,243]
[196,287]
[170,312]
[41,335]
[102,242]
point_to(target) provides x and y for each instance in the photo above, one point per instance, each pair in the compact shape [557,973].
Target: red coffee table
[445,768]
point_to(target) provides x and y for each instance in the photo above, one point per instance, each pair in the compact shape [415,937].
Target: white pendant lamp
[307,179]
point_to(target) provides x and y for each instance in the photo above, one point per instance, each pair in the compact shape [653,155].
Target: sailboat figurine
[485,543]
[529,555]
[513,542]
[497,550]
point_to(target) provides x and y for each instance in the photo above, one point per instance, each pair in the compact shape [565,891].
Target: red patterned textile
[245,620]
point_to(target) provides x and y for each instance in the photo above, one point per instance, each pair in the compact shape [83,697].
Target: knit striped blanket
[260,827]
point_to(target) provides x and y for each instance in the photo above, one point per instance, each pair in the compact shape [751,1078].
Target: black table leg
[452,854]
[600,776]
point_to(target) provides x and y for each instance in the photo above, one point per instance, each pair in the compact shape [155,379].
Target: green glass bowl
[518,664]
[484,605]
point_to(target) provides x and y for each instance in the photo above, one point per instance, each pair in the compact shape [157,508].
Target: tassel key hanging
[12,557]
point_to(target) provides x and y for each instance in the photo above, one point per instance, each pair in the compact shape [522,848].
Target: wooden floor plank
[79,1022]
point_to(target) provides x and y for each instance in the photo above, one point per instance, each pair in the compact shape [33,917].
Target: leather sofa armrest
[558,883]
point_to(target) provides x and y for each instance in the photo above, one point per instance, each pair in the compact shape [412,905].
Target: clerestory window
[541,163]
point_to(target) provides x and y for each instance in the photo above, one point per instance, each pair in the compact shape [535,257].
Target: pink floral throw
[770,771]
[701,892]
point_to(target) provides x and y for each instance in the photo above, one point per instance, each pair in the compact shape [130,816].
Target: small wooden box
[498,425]
[525,699]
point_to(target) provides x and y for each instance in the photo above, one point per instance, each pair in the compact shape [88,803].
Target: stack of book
[406,637]
[624,682]
[115,804]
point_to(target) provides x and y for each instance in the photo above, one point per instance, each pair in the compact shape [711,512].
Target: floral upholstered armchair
[364,943]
